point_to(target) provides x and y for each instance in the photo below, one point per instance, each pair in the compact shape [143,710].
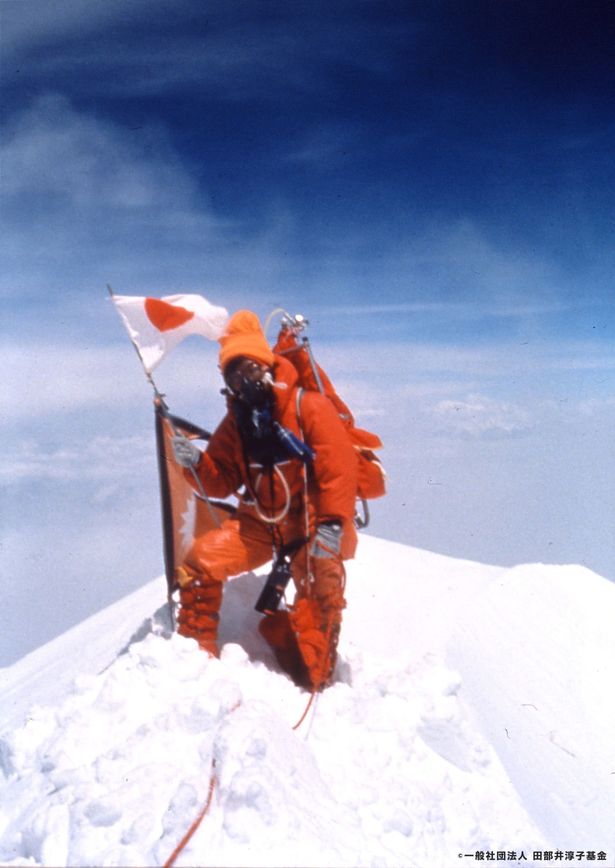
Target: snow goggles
[246,371]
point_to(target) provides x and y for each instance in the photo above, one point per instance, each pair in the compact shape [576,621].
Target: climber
[285,453]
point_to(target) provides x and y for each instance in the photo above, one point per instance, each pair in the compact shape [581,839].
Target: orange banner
[185,513]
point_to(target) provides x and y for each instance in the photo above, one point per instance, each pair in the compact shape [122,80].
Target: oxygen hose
[275,313]
[275,519]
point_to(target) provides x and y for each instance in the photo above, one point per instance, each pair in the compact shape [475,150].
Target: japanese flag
[157,325]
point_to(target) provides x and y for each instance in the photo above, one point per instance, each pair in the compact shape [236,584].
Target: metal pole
[160,397]
[313,364]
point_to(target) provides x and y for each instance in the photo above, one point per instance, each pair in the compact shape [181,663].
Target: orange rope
[203,812]
[197,822]
[316,688]
[307,708]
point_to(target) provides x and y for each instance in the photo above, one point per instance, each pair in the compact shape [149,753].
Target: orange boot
[277,630]
[306,620]
[317,620]
[200,600]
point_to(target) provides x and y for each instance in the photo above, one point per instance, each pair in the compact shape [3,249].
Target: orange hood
[243,336]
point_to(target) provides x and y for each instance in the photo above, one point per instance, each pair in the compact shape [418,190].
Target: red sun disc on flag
[166,316]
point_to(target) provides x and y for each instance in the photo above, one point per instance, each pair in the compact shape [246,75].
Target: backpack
[371,475]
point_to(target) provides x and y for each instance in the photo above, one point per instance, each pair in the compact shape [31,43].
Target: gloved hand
[327,540]
[186,453]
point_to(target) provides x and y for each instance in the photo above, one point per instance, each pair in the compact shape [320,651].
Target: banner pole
[162,410]
[160,398]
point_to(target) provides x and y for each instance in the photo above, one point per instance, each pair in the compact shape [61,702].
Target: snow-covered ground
[472,720]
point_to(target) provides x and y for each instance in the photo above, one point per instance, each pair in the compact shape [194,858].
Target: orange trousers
[243,543]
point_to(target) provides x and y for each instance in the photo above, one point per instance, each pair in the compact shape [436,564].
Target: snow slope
[471,717]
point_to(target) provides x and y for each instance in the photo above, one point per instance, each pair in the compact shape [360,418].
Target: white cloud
[462,254]
[99,460]
[50,149]
[50,380]
[87,201]
[232,49]
[406,361]
[457,310]
[479,416]
[440,278]
[455,269]
[597,407]
[28,23]
[70,389]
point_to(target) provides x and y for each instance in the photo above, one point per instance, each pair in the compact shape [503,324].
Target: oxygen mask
[249,382]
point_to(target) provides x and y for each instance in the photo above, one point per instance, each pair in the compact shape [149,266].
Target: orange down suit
[328,483]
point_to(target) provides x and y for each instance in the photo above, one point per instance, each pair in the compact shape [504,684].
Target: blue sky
[431,183]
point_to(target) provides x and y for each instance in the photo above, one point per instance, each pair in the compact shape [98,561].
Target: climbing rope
[204,810]
[307,708]
[199,819]
[316,688]
[212,787]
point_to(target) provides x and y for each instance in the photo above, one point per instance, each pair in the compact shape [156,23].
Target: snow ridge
[386,769]
[424,752]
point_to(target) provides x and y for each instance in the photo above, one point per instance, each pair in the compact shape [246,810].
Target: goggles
[246,371]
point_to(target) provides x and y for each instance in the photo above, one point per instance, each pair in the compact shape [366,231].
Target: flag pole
[160,403]
[160,399]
